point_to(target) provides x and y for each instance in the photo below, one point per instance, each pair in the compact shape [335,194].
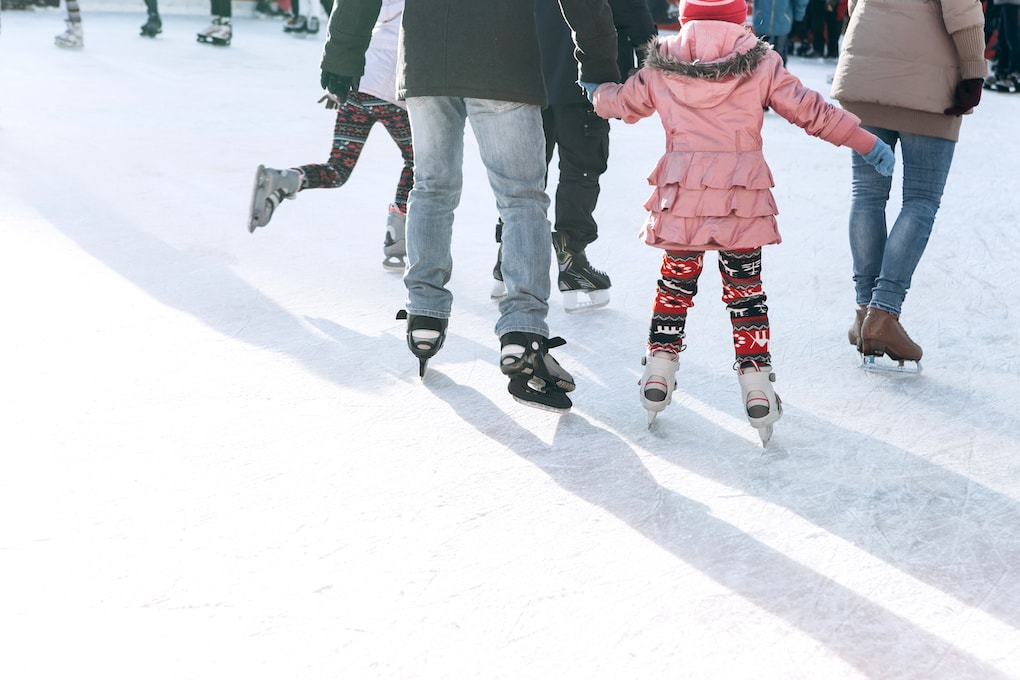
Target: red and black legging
[354,120]
[741,291]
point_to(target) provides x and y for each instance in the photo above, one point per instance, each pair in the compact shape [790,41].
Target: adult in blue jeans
[892,73]
[466,60]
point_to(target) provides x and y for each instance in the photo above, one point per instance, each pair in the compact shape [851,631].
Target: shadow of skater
[612,477]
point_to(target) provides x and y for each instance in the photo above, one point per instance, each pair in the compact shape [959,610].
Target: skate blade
[765,433]
[651,418]
[584,301]
[394,263]
[884,364]
[533,393]
[498,291]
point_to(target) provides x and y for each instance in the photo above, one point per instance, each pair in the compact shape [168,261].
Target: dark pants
[1007,51]
[581,140]
[825,28]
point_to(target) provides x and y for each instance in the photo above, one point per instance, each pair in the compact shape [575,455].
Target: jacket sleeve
[965,22]
[635,20]
[630,101]
[591,25]
[350,31]
[809,110]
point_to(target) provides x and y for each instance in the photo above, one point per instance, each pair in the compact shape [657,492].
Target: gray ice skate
[762,405]
[72,38]
[395,245]
[271,187]
[658,382]
[219,32]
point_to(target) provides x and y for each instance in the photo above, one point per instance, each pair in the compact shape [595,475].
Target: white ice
[218,460]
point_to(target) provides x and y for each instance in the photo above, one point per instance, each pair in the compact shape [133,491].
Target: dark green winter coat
[486,49]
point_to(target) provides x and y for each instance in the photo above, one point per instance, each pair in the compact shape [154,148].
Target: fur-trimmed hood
[707,58]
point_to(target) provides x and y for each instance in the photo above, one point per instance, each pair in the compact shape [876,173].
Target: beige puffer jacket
[902,60]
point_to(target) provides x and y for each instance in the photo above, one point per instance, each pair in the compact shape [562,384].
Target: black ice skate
[271,187]
[498,291]
[536,378]
[583,286]
[152,27]
[425,336]
[217,33]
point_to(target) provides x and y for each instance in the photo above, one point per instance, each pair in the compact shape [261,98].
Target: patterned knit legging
[741,291]
[354,120]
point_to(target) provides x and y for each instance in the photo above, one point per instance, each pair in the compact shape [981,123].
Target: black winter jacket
[487,49]
[634,28]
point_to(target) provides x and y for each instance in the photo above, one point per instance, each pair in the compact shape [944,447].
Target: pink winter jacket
[710,85]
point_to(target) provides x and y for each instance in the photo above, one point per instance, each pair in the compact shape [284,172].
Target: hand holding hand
[966,97]
[882,158]
[589,89]
[337,85]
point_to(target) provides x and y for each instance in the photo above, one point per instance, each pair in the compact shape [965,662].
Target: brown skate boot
[881,333]
[854,333]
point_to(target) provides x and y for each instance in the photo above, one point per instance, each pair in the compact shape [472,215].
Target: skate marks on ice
[707,527]
[933,540]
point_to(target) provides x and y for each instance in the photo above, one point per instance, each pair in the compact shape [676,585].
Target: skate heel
[762,405]
[853,334]
[394,244]
[536,378]
[425,337]
[498,290]
[584,288]
[883,335]
[219,32]
[73,38]
[271,187]
[152,27]
[658,382]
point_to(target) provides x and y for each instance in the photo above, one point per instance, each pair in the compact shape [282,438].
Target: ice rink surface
[218,460]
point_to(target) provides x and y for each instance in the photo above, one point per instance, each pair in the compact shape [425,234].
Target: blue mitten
[589,88]
[882,158]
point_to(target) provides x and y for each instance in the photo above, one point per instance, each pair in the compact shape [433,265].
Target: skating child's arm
[810,110]
[630,101]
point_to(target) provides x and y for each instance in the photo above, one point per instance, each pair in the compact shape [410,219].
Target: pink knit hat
[734,11]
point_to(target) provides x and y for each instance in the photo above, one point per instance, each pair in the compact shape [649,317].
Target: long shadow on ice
[202,284]
[927,521]
[610,475]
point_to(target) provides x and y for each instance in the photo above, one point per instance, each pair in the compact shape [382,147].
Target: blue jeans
[884,260]
[512,147]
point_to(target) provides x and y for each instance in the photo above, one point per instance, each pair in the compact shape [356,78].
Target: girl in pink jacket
[710,85]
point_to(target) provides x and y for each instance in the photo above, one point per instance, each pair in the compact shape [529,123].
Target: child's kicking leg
[745,300]
[395,120]
[674,295]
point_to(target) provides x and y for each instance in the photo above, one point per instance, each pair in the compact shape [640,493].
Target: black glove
[337,85]
[966,97]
